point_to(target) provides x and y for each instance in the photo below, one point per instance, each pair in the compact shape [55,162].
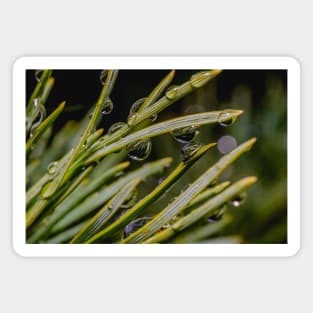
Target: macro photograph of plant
[156,156]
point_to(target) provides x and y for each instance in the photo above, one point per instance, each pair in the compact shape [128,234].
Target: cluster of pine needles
[89,193]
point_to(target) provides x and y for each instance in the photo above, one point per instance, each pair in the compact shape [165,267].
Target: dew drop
[139,150]
[107,107]
[36,102]
[135,225]
[38,74]
[153,117]
[238,200]
[197,80]
[171,92]
[115,127]
[102,76]
[225,119]
[136,106]
[42,115]
[185,134]
[52,167]
[226,144]
[189,150]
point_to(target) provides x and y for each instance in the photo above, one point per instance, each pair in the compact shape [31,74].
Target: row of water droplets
[38,108]
[140,150]
[217,216]
[107,106]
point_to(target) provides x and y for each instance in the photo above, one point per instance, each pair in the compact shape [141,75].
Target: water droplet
[107,107]
[42,115]
[102,76]
[36,102]
[115,127]
[225,119]
[226,144]
[52,167]
[38,74]
[90,116]
[139,150]
[135,107]
[197,80]
[153,117]
[171,92]
[135,225]
[185,134]
[239,199]
[189,150]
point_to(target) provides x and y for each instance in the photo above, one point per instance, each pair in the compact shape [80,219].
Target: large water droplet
[52,167]
[189,150]
[185,134]
[239,199]
[198,79]
[171,92]
[115,127]
[38,74]
[139,150]
[136,106]
[226,144]
[42,115]
[107,107]
[225,119]
[135,225]
[102,76]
